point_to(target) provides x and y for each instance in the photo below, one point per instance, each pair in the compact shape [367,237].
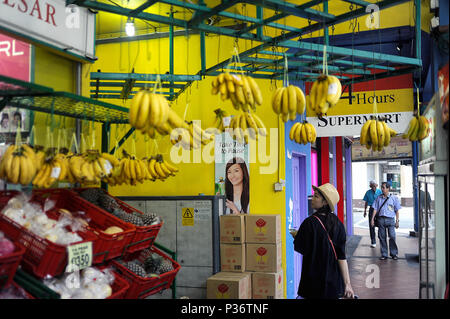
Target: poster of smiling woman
[232,173]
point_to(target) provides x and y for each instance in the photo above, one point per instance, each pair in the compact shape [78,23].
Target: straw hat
[330,194]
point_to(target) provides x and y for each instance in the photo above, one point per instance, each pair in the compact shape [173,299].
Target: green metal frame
[357,64]
[39,98]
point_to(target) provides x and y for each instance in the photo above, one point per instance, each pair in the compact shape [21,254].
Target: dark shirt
[321,277]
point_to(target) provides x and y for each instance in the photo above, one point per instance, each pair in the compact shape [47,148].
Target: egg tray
[107,246]
[141,287]
[144,236]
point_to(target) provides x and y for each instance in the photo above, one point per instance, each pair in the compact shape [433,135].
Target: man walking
[387,207]
[369,198]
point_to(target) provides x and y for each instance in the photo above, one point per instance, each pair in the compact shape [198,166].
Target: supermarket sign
[394,100]
[51,23]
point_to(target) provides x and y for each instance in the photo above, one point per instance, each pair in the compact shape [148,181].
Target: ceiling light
[129,27]
[399,47]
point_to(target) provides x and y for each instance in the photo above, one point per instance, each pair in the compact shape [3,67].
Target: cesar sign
[394,101]
[70,28]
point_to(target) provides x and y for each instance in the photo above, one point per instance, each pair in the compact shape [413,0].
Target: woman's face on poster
[235,174]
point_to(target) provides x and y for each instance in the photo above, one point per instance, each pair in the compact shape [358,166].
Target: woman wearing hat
[321,240]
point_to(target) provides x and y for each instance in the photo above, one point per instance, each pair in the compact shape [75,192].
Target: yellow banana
[164,110]
[292,99]
[424,125]
[380,134]
[373,134]
[364,132]
[261,127]
[309,132]
[255,90]
[334,90]
[248,91]
[164,168]
[285,102]
[304,138]
[301,101]
[252,127]
[155,109]
[297,134]
[171,167]
[413,123]
[414,136]
[13,175]
[143,112]
[240,96]
[24,177]
[159,170]
[292,131]
[151,168]
[134,107]
[230,85]
[276,100]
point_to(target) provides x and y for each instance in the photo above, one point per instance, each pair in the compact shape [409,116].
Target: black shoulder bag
[375,222]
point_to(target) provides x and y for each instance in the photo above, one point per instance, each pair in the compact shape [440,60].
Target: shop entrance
[300,204]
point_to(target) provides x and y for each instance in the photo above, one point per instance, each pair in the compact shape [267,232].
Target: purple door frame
[300,204]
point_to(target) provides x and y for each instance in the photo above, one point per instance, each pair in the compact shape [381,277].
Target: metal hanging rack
[351,65]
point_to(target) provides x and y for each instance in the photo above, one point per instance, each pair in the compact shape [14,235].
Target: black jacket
[321,277]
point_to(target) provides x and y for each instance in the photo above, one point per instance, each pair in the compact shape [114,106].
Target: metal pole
[171,50]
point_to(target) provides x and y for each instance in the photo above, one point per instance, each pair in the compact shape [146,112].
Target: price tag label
[79,256]
[226,121]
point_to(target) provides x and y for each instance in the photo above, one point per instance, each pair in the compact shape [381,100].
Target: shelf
[106,85]
[34,97]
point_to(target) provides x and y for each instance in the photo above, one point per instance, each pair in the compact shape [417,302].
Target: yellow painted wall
[193,178]
[56,72]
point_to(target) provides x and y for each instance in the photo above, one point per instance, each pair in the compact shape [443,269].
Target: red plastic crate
[141,287]
[9,264]
[119,287]
[42,257]
[107,246]
[144,236]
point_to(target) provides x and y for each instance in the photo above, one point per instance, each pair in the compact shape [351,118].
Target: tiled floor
[372,278]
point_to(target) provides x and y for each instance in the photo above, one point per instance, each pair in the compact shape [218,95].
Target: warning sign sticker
[187,216]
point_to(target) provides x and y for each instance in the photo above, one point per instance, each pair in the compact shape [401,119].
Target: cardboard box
[229,285]
[263,229]
[232,257]
[263,257]
[232,229]
[267,285]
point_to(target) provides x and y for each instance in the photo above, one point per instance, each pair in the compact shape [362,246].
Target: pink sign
[15,58]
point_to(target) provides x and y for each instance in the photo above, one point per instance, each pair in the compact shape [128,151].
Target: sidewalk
[398,279]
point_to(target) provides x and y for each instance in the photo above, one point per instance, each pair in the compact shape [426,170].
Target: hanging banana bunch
[159,168]
[18,164]
[376,134]
[242,90]
[288,101]
[418,129]
[325,93]
[246,125]
[91,167]
[54,169]
[148,111]
[190,136]
[303,133]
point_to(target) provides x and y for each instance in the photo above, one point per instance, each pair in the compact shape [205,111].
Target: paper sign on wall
[187,217]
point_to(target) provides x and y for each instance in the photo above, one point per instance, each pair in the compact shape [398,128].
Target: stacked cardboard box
[250,253]
[263,255]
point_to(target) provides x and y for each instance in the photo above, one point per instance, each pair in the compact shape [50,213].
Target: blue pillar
[415,153]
